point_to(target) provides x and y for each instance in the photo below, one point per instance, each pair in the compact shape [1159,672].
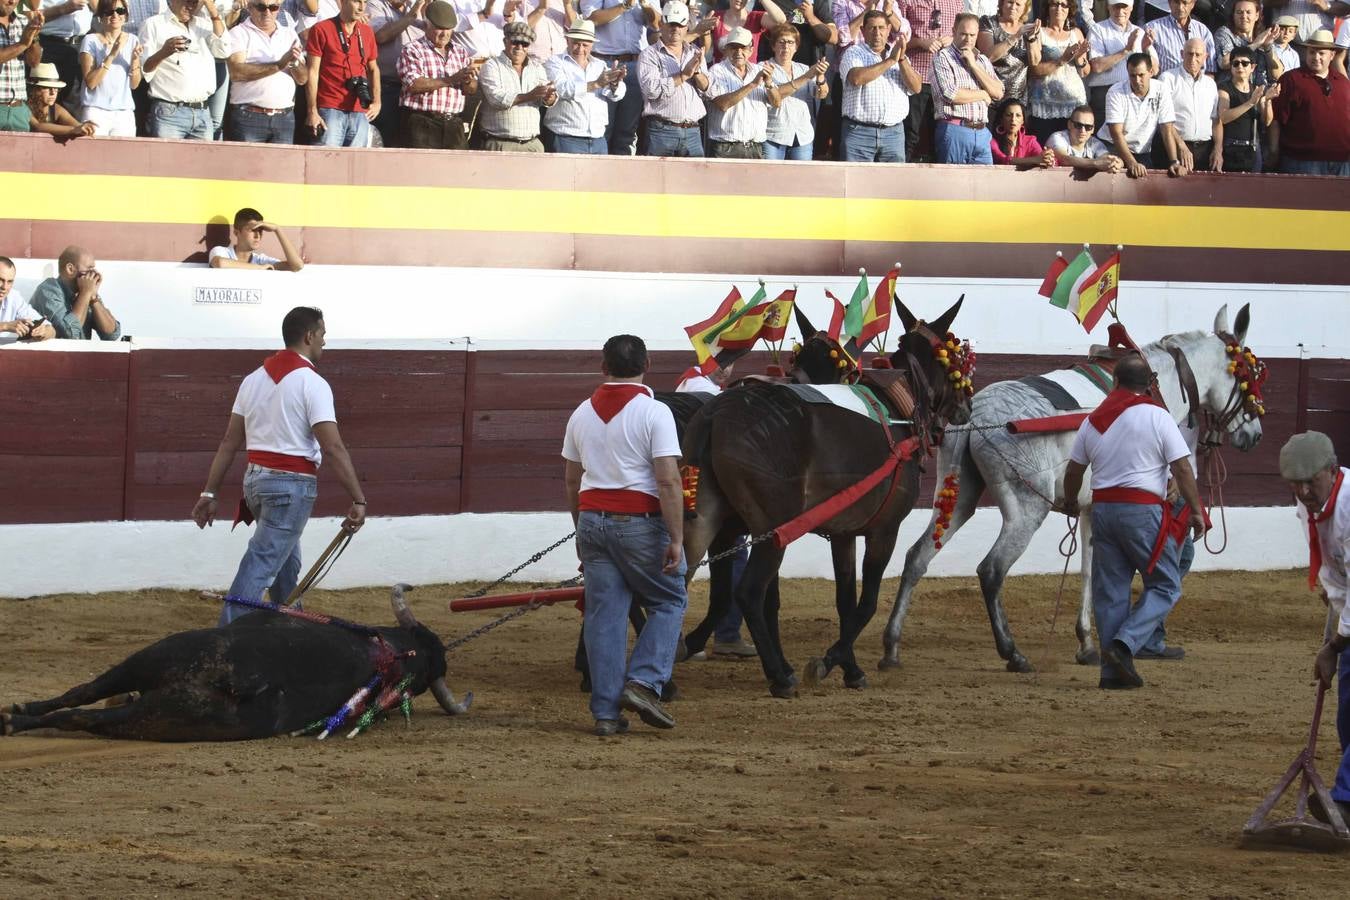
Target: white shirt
[1135,452]
[280,417]
[71,25]
[882,101]
[1141,116]
[579,112]
[1105,39]
[618,454]
[1195,102]
[626,33]
[747,120]
[258,259]
[699,384]
[13,308]
[1169,38]
[1288,54]
[1334,537]
[276,91]
[790,124]
[482,39]
[1093,149]
[189,76]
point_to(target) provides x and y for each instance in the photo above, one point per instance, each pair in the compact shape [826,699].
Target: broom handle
[1316,720]
[303,584]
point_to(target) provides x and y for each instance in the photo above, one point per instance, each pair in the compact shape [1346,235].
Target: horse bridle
[1213,427]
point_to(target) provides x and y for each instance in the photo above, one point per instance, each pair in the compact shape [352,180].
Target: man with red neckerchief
[623,488]
[1131,442]
[1308,463]
[284,415]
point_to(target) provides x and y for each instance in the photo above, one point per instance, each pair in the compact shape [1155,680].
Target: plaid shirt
[950,76]
[499,84]
[883,101]
[1169,37]
[421,59]
[12,83]
[928,19]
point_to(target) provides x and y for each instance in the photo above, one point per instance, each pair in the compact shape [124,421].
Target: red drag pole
[543,598]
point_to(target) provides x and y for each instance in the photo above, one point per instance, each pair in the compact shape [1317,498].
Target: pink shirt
[1027,145]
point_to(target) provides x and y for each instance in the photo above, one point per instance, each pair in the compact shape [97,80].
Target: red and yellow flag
[836,318]
[703,335]
[1097,292]
[876,318]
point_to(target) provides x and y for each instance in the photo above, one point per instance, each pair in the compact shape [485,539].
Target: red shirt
[335,66]
[1314,116]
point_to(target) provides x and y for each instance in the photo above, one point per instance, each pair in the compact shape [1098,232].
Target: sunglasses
[935,19]
[267,7]
[519,43]
[1240,62]
[1086,126]
[119,11]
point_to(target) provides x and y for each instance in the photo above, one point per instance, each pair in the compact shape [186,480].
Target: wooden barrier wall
[108,436]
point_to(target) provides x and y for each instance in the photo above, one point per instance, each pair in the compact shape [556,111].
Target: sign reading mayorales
[227,295]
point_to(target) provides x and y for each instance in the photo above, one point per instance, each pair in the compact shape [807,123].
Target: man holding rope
[1131,442]
[1308,463]
[284,415]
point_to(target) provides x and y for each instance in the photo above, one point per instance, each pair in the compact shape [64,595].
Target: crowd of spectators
[1228,85]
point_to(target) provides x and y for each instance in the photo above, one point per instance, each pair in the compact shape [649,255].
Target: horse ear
[944,324]
[906,317]
[803,323]
[1240,324]
[1221,320]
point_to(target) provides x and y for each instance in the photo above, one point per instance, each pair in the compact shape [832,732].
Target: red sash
[618,500]
[1314,541]
[1173,525]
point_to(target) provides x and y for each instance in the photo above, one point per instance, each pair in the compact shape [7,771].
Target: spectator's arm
[774,13]
[241,72]
[824,29]
[27,46]
[649,15]
[567,83]
[730,96]
[1122,148]
[858,76]
[1216,155]
[53,309]
[1272,159]
[394,27]
[63,9]
[224,262]
[989,82]
[845,24]
[105,323]
[603,15]
[312,89]
[292,261]
[652,77]
[1275,66]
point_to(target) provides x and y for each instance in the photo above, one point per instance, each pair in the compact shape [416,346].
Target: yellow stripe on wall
[195,201]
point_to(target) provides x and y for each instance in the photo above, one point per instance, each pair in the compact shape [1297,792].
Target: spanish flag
[761,319]
[1097,292]
[876,318]
[703,334]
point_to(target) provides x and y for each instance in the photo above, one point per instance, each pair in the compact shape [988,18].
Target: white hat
[580,30]
[45,75]
[1321,39]
[740,37]
[675,12]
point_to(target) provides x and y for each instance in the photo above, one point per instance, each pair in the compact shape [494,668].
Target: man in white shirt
[283,415]
[515,90]
[624,491]
[739,93]
[877,86]
[1077,148]
[1195,102]
[267,62]
[1135,112]
[16,316]
[1308,463]
[587,91]
[180,65]
[249,228]
[620,35]
[1111,41]
[1131,443]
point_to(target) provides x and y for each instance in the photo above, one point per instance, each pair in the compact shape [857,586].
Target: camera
[360,86]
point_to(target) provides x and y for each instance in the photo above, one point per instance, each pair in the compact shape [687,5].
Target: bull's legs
[120,679]
[762,619]
[1087,654]
[1021,517]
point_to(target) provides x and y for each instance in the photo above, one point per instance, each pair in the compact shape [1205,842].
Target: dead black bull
[265,674]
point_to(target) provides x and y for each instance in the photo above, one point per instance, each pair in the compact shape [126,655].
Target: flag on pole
[1063,279]
[1097,292]
[853,315]
[701,333]
[778,314]
[836,317]
[877,316]
[759,319]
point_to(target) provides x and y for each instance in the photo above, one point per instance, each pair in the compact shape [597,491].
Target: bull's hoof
[889,661]
[6,726]
[19,709]
[815,672]
[786,690]
[857,682]
[120,700]
[1020,663]
[1088,657]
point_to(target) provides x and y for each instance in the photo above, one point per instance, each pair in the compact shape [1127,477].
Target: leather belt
[440,116]
[967,123]
[200,104]
[867,124]
[264,111]
[675,124]
[616,57]
[605,514]
[13,103]
[511,140]
[1234,142]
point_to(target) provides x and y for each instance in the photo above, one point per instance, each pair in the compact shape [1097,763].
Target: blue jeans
[621,557]
[344,129]
[1123,535]
[664,139]
[260,128]
[281,503]
[621,133]
[1158,642]
[217,102]
[565,143]
[183,122]
[868,143]
[799,153]
[959,145]
[1341,790]
[1313,167]
[728,631]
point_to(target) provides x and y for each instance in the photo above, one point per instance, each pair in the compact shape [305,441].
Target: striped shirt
[950,76]
[579,112]
[12,84]
[747,120]
[928,19]
[421,59]
[883,101]
[500,84]
[661,97]
[1169,37]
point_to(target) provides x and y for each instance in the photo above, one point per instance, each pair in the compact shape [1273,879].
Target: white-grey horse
[1023,473]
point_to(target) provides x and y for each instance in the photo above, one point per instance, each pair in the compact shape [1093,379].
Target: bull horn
[402,613]
[441,691]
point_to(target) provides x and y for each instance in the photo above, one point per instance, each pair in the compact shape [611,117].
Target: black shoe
[1115,684]
[642,700]
[1118,655]
[1166,653]
[607,727]
[670,692]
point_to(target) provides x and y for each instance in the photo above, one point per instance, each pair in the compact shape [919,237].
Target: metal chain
[533,559]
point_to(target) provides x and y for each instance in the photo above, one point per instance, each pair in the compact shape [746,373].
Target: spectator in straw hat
[1310,134]
[515,89]
[1308,463]
[740,94]
[44,113]
[1282,49]
[587,91]
[18,47]
[436,74]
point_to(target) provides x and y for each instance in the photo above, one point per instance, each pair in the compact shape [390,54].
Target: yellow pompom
[834,354]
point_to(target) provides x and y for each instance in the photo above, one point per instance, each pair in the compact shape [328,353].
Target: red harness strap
[1173,525]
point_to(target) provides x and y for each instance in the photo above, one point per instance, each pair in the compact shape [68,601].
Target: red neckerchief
[1116,402]
[1314,542]
[283,363]
[609,399]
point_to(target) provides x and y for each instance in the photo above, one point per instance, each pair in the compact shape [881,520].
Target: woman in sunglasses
[1056,85]
[110,59]
[1244,109]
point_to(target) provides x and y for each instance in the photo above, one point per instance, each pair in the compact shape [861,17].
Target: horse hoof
[1020,663]
[888,662]
[786,690]
[815,671]
[1088,657]
[857,683]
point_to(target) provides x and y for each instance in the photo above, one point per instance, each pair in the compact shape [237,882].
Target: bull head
[439,689]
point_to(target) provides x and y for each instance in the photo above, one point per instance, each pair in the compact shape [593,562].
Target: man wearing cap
[1309,16]
[620,34]
[1282,49]
[436,73]
[964,85]
[740,93]
[1310,134]
[1195,102]
[343,85]
[181,50]
[1171,32]
[1111,41]
[515,89]
[1308,463]
[19,46]
[587,91]
[266,64]
[1131,443]
[878,82]
[672,76]
[1136,111]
